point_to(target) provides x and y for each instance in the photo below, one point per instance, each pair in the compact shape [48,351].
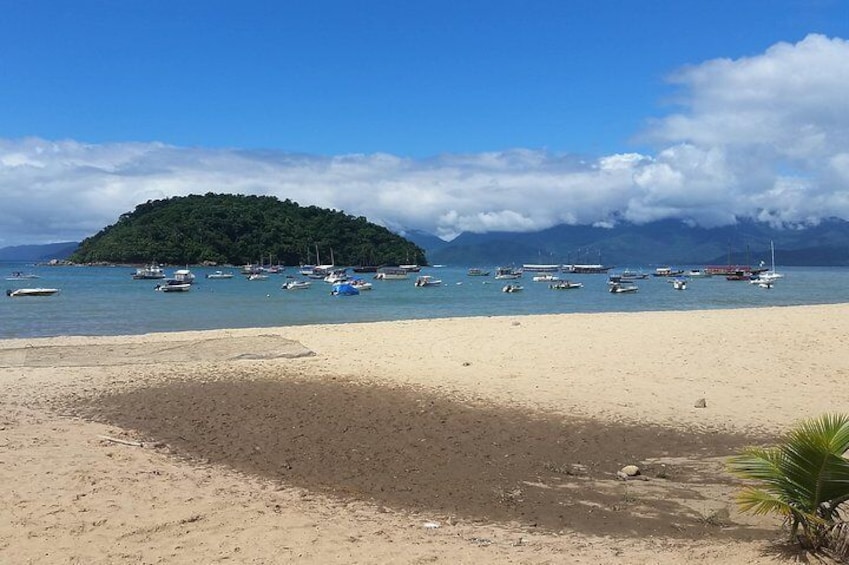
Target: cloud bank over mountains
[765,136]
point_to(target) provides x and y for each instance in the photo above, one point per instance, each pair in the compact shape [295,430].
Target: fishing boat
[391,274]
[21,292]
[150,272]
[507,273]
[184,276]
[475,272]
[667,272]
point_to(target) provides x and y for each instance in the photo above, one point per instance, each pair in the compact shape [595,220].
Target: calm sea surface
[107,301]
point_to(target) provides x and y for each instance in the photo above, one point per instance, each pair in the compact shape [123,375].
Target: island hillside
[237,229]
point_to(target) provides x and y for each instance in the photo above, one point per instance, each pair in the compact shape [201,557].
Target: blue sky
[395,110]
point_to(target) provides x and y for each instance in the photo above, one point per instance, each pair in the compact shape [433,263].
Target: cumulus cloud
[765,137]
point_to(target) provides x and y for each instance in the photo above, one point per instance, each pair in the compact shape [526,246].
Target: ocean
[107,301]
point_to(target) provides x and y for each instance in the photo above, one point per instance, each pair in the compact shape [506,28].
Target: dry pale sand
[474,440]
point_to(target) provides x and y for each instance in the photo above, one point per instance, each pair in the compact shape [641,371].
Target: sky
[439,116]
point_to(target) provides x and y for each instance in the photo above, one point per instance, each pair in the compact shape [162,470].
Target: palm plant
[805,479]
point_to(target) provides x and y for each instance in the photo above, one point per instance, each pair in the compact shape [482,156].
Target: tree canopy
[238,229]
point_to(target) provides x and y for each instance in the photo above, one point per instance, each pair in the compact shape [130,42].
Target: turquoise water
[107,301]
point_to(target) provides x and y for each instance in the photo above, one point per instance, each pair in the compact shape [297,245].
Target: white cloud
[765,136]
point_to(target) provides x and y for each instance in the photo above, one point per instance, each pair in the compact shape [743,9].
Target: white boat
[17,293]
[507,273]
[548,277]
[509,288]
[391,274]
[219,275]
[152,271]
[698,274]
[360,284]
[679,284]
[767,278]
[336,276]
[296,285]
[258,277]
[184,276]
[619,288]
[427,280]
[565,285]
[173,286]
[19,276]
[667,272]
[537,268]
[410,268]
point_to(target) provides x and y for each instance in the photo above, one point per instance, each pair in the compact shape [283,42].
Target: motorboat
[20,292]
[410,268]
[360,284]
[679,284]
[548,277]
[336,276]
[20,276]
[219,275]
[427,280]
[510,288]
[619,288]
[150,272]
[698,274]
[565,285]
[258,277]
[173,286]
[296,285]
[344,289]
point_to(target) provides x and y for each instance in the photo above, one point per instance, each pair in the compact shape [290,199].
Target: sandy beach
[465,440]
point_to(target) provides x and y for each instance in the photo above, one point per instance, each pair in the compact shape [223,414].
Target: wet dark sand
[405,449]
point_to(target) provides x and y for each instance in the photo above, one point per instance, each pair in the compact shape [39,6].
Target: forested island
[238,229]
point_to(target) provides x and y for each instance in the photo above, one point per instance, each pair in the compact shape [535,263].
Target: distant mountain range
[668,242]
[38,253]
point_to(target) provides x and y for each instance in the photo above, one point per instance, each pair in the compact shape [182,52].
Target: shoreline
[603,384]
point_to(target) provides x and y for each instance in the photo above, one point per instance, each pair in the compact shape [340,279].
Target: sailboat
[767,278]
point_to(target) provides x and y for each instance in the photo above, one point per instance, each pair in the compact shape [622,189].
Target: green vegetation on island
[236,229]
